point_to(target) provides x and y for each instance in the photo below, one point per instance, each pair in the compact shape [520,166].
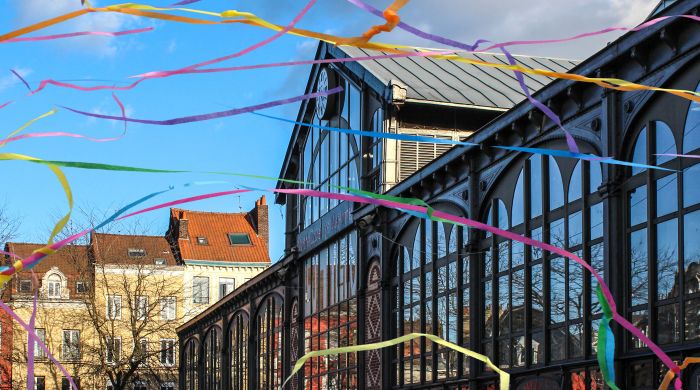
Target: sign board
[330,224]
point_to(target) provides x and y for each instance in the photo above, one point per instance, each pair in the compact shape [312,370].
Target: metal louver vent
[415,155]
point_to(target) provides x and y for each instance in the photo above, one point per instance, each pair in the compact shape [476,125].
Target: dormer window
[80,287]
[137,252]
[25,286]
[202,241]
[239,238]
[53,287]
[160,261]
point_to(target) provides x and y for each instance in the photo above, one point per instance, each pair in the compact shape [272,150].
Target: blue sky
[245,143]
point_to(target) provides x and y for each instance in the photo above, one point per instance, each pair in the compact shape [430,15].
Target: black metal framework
[373,153]
[538,307]
[269,343]
[190,364]
[212,359]
[331,313]
[332,159]
[430,273]
[662,226]
[238,350]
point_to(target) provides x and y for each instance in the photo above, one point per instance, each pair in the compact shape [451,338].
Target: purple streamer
[30,345]
[21,79]
[213,115]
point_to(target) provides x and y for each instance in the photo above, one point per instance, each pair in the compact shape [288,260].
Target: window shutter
[415,155]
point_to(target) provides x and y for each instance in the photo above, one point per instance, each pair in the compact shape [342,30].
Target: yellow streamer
[669,375]
[66,188]
[24,126]
[504,382]
[251,19]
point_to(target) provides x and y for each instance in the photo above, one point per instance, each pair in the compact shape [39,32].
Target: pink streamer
[181,201]
[79,33]
[5,104]
[678,155]
[30,344]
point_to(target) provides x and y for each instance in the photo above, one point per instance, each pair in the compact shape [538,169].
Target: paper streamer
[5,104]
[213,115]
[606,342]
[26,84]
[24,126]
[670,374]
[31,336]
[504,382]
[79,34]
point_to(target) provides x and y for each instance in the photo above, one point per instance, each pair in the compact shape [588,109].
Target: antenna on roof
[239,204]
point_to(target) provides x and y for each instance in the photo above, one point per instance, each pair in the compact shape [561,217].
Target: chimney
[183,233]
[261,220]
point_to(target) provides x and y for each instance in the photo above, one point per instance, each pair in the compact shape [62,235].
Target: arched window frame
[212,358]
[428,264]
[238,350]
[269,339]
[191,362]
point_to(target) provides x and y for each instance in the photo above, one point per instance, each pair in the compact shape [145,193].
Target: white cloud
[9,80]
[32,11]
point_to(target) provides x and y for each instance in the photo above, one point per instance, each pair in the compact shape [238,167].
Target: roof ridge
[242,213]
[129,235]
[42,245]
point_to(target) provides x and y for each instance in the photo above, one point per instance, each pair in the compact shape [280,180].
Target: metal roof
[444,81]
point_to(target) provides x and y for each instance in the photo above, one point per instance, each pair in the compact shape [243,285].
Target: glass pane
[667,259]
[519,201]
[665,143]
[641,376]
[504,354]
[596,176]
[518,307]
[596,221]
[429,242]
[666,195]
[575,228]
[556,233]
[537,284]
[557,290]
[466,335]
[638,205]
[503,256]
[503,304]
[575,340]
[502,215]
[518,351]
[691,184]
[558,343]
[640,149]
[639,270]
[575,288]
[575,183]
[640,319]
[692,251]
[537,348]
[668,325]
[535,186]
[536,235]
[691,132]
[441,240]
[556,186]
[597,262]
[518,253]
[488,309]
[692,319]
[417,251]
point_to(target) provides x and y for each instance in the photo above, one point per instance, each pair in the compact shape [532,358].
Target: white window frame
[64,347]
[113,341]
[200,293]
[39,353]
[168,308]
[164,352]
[226,282]
[141,307]
[112,300]
[53,287]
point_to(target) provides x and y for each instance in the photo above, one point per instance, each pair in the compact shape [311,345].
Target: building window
[25,286]
[239,239]
[331,159]
[159,261]
[109,385]
[239,351]
[113,349]
[141,307]
[141,352]
[136,252]
[330,311]
[570,217]
[53,287]
[662,224]
[200,290]
[269,343]
[39,352]
[191,365]
[65,383]
[202,241]
[433,288]
[80,287]
[167,386]
[212,359]
[373,153]
[167,308]
[167,352]
[39,383]
[114,307]
[226,285]
[71,345]
[140,385]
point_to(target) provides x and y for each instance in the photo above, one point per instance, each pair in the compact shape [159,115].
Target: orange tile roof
[114,249]
[215,227]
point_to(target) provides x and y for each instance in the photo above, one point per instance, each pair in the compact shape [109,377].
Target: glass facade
[433,277]
[330,313]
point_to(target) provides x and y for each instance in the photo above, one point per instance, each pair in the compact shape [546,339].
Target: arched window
[212,359]
[53,286]
[269,343]
[190,363]
[238,336]
[433,287]
[513,276]
[663,223]
[691,130]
